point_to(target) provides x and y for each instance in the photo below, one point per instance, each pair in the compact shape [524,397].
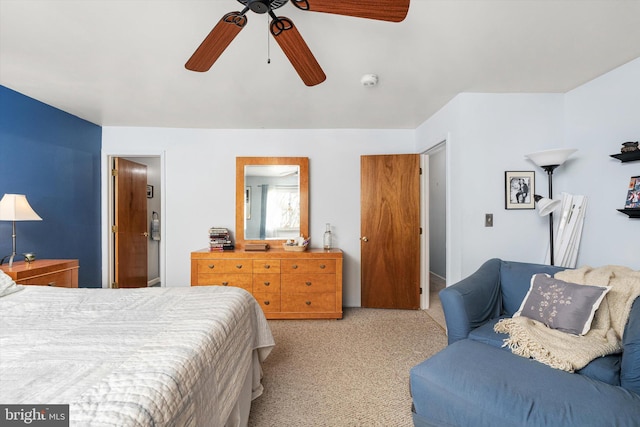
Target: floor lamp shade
[551,157]
[15,207]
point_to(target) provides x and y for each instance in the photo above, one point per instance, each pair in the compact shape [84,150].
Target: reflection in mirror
[272,199]
[272,202]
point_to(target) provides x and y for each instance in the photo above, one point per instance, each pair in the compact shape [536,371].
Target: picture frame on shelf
[519,189]
[633,195]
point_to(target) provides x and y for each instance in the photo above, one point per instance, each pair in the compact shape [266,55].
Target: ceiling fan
[286,33]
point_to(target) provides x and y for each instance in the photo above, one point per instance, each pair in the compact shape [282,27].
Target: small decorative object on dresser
[62,273]
[286,284]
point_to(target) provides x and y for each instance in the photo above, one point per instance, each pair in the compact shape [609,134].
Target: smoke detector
[369,80]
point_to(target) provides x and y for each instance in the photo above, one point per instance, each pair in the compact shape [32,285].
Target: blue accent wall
[53,158]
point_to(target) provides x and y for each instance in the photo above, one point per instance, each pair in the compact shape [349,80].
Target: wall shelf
[630,156]
[632,213]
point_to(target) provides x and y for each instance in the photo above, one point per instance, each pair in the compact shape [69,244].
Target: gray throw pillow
[568,307]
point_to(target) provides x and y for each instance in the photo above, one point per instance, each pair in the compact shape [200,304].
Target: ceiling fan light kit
[287,35]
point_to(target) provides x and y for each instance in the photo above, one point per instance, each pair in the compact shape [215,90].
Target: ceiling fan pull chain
[268,43]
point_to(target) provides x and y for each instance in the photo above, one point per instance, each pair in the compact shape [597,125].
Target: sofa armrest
[472,301]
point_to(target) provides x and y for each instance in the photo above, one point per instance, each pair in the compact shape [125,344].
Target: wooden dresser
[45,272]
[288,285]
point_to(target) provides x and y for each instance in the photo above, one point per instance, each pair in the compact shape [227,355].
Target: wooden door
[390,231]
[130,233]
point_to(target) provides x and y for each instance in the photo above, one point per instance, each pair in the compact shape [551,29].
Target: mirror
[272,199]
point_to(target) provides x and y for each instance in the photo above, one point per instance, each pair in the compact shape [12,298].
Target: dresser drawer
[224,266]
[302,266]
[269,301]
[60,279]
[302,283]
[238,280]
[309,303]
[266,266]
[266,282]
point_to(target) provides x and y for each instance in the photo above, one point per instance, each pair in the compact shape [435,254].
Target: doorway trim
[106,217]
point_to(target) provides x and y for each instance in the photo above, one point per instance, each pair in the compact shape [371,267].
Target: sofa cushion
[605,369]
[630,364]
[561,305]
[485,334]
[470,383]
[515,278]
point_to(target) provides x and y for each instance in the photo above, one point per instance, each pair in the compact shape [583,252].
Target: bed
[133,357]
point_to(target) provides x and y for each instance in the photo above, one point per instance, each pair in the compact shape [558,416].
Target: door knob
[364,239]
[145,234]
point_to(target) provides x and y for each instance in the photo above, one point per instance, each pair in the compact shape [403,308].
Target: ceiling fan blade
[216,42]
[382,10]
[299,54]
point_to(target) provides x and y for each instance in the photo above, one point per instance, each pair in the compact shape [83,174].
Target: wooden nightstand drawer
[225,266]
[62,279]
[45,272]
[302,266]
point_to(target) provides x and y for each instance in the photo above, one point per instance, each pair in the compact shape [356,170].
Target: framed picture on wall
[149,191]
[519,189]
[633,195]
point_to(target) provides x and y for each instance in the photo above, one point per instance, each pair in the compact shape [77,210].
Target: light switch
[488,220]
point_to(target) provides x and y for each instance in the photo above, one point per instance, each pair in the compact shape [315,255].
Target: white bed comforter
[132,357]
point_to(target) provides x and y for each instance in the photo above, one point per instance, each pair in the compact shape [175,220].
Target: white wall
[199,188]
[488,134]
[600,116]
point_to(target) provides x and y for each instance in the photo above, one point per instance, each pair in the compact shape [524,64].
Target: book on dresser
[287,285]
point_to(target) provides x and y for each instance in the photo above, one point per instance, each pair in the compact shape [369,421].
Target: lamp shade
[15,207]
[551,157]
[546,205]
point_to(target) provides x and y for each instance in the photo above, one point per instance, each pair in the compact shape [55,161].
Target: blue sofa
[474,381]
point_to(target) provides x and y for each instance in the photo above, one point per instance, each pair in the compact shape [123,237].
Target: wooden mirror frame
[241,162]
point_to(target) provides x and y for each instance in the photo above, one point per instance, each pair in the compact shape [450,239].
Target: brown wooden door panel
[131,236]
[390,231]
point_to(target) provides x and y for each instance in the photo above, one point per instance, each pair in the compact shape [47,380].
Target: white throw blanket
[530,338]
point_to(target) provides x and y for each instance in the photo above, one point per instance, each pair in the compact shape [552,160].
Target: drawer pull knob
[294,266]
[267,283]
[307,283]
[267,266]
[266,303]
[211,266]
[322,266]
[308,302]
[225,283]
[239,266]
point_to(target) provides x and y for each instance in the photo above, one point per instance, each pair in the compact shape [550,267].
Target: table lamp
[15,207]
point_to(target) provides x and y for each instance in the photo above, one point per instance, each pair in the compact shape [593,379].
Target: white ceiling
[121,62]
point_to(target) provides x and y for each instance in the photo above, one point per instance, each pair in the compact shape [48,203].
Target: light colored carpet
[349,372]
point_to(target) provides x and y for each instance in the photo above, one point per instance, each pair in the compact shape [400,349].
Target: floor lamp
[15,207]
[549,160]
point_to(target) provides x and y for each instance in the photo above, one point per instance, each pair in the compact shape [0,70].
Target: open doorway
[436,192]
[154,222]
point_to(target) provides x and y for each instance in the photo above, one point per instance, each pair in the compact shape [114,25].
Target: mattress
[133,357]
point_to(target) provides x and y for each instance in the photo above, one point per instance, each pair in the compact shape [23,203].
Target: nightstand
[45,272]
